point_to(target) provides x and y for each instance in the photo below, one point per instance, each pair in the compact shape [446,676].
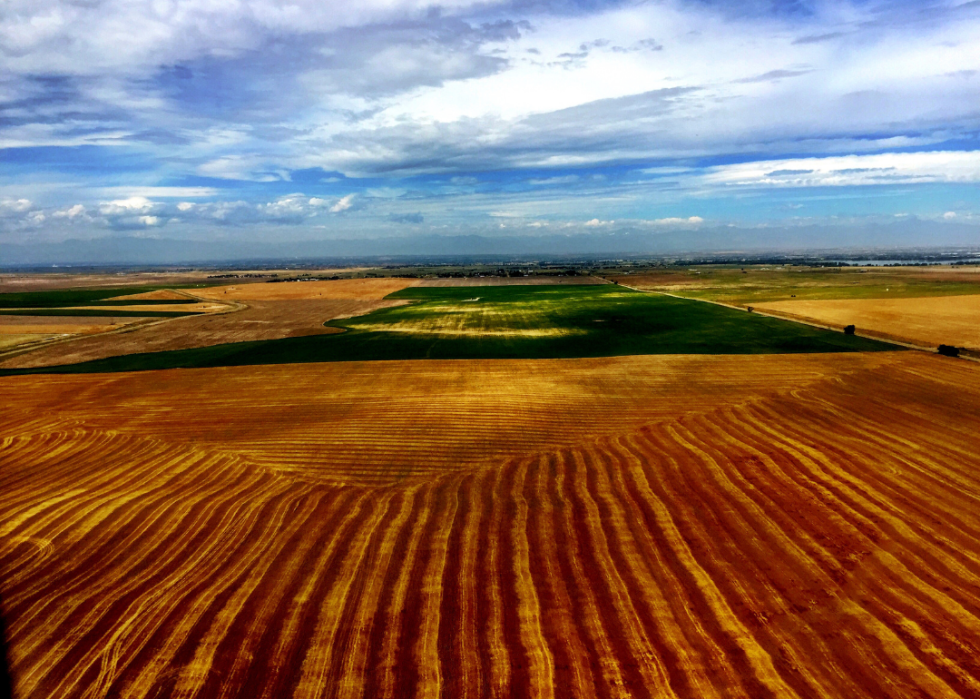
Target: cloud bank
[339,119]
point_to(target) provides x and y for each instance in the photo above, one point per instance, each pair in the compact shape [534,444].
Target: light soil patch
[448,328]
[339,289]
[931,321]
[54,328]
[10,340]
[168,308]
[262,320]
[158,295]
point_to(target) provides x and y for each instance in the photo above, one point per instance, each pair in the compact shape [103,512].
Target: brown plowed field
[261,320]
[341,289]
[18,332]
[932,321]
[795,526]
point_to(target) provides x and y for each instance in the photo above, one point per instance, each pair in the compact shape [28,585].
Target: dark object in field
[949,351]
[848,329]
[749,309]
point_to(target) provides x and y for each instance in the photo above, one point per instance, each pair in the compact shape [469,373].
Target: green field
[517,322]
[756,284]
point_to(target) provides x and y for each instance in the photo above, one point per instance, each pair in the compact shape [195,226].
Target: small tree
[949,351]
[848,329]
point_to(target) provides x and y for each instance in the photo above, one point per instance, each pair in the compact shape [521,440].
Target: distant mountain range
[117,250]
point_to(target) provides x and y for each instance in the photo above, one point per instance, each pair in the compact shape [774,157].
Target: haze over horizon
[264,123]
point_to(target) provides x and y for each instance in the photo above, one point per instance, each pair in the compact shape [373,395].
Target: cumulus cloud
[71,213]
[211,113]
[343,204]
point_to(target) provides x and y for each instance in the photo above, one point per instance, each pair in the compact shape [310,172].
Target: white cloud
[129,205]
[70,213]
[16,205]
[342,205]
[675,221]
[160,192]
[880,168]
[949,215]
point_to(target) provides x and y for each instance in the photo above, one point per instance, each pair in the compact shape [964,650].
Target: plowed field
[711,526]
[363,289]
[261,320]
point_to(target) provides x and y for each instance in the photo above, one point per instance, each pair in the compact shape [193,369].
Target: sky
[270,120]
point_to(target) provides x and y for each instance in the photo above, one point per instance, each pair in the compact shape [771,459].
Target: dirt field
[341,289]
[49,281]
[510,281]
[790,526]
[169,308]
[261,320]
[949,320]
[17,332]
[266,312]
[10,340]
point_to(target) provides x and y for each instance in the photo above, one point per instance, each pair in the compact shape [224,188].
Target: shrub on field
[949,351]
[849,329]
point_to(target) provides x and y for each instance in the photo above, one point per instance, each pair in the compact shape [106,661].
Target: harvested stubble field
[725,526]
[288,309]
[948,320]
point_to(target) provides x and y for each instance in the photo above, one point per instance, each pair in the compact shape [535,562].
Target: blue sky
[275,120]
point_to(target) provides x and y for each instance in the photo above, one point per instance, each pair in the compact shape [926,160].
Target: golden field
[678,526]
[930,321]
[341,289]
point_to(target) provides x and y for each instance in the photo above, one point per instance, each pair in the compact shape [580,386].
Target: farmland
[923,306]
[466,322]
[930,321]
[750,285]
[690,526]
[571,489]
[257,312]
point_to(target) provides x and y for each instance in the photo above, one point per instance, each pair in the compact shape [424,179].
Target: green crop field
[757,284]
[518,322]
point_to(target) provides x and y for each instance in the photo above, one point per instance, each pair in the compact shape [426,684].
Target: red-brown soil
[792,526]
